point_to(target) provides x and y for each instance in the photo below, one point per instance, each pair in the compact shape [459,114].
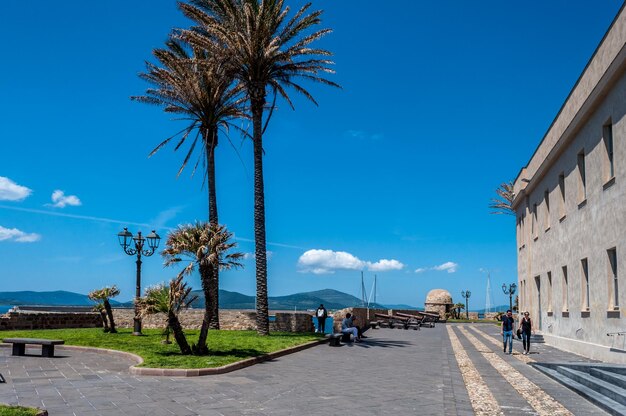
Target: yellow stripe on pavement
[541,401]
[521,357]
[482,399]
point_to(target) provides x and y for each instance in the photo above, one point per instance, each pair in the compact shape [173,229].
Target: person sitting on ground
[347,327]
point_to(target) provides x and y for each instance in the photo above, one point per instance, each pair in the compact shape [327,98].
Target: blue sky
[441,102]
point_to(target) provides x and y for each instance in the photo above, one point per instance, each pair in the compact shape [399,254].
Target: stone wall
[230,319]
[190,319]
[49,320]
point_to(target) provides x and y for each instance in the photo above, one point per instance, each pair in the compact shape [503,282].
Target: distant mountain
[332,299]
[56,298]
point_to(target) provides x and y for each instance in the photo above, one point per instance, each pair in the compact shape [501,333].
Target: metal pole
[467,306]
[137,318]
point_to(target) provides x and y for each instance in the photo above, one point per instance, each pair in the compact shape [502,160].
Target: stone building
[438,300]
[570,204]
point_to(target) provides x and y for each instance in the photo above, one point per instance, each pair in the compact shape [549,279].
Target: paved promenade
[393,372]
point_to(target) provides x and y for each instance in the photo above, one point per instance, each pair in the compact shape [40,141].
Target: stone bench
[338,336]
[47,345]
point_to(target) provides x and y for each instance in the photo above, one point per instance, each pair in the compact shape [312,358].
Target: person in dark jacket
[507,330]
[321,313]
[526,328]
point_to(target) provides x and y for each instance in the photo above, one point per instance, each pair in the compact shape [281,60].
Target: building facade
[570,204]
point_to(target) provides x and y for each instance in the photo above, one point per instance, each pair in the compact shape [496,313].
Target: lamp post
[127,240]
[510,291]
[466,294]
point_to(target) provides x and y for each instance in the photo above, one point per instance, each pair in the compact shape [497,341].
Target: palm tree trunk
[105,322]
[107,306]
[206,273]
[211,143]
[179,335]
[262,313]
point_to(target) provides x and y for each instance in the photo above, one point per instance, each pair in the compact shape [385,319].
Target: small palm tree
[205,246]
[457,308]
[199,87]
[99,307]
[503,203]
[104,295]
[268,54]
[170,300]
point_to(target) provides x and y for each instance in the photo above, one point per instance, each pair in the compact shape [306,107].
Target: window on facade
[535,225]
[549,291]
[582,178]
[585,284]
[565,290]
[562,193]
[613,282]
[546,198]
[607,134]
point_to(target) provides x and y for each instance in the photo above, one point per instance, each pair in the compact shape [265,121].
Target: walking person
[526,327]
[321,313]
[506,330]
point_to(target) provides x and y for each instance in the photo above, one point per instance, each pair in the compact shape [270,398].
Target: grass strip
[6,410]
[225,347]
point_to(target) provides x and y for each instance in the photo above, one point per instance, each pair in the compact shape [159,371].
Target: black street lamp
[510,291]
[126,239]
[466,294]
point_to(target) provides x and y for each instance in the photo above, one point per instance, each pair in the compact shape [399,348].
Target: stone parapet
[49,320]
[237,320]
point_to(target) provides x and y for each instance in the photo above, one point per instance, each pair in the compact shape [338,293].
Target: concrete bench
[333,339]
[47,345]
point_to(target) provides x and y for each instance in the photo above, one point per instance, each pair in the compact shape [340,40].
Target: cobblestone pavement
[393,372]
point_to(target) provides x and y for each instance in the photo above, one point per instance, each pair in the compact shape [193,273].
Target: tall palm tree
[205,246]
[503,203]
[169,299]
[201,89]
[268,53]
[103,296]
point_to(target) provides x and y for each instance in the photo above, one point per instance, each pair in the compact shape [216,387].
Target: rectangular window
[585,284]
[546,221]
[535,225]
[582,178]
[613,283]
[565,290]
[549,291]
[562,193]
[607,134]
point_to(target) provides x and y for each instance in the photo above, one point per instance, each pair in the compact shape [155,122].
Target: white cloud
[384,265]
[10,191]
[328,261]
[13,234]
[60,200]
[448,266]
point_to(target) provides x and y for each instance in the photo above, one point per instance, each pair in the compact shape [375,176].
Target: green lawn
[6,410]
[225,346]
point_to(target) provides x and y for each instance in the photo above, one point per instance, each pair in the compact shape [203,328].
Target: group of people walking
[524,331]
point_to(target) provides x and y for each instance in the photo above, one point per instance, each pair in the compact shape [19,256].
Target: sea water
[4,308]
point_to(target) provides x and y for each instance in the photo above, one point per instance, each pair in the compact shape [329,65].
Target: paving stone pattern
[393,372]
